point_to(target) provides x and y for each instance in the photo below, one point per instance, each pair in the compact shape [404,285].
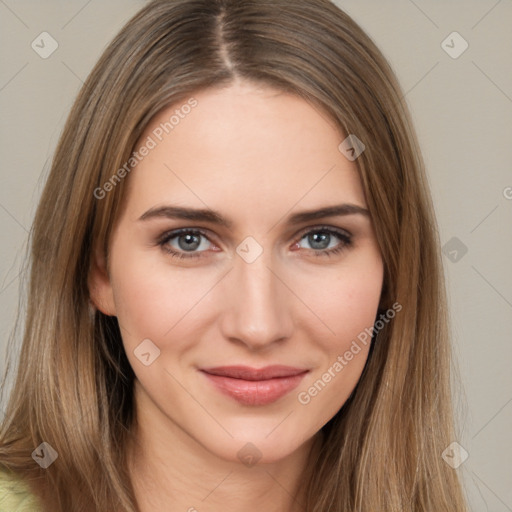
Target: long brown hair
[73,386]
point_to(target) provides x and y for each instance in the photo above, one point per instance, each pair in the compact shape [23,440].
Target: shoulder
[15,494]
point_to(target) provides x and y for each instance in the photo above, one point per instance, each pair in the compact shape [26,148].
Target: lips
[247,373]
[255,386]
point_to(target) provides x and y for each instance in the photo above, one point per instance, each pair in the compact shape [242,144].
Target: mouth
[253,386]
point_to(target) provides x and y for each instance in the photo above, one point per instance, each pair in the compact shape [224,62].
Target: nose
[257,309]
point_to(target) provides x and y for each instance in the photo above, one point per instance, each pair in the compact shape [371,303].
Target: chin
[260,447]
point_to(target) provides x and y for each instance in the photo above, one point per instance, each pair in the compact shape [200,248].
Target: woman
[236,299]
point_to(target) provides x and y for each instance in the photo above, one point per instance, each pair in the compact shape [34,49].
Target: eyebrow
[211,216]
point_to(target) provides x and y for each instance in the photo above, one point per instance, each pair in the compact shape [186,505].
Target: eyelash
[344,236]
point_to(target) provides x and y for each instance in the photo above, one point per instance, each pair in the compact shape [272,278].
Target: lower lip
[255,392]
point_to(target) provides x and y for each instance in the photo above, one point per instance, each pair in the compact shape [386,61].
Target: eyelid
[163,240]
[344,235]
[167,235]
[320,227]
[172,233]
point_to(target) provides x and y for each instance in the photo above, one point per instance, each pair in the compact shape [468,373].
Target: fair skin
[256,156]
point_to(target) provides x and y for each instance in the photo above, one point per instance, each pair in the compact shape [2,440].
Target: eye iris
[319,240]
[192,242]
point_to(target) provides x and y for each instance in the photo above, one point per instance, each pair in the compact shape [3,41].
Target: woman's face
[218,260]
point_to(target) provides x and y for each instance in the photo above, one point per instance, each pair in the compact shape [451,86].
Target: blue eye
[191,243]
[188,241]
[322,240]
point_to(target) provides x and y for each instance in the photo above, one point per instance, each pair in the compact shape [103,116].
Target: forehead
[243,148]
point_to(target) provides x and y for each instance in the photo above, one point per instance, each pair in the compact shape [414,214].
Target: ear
[100,287]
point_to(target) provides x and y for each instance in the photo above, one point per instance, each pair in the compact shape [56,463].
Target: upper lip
[248,373]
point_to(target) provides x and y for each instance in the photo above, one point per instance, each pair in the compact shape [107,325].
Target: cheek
[152,298]
[346,302]
[348,307]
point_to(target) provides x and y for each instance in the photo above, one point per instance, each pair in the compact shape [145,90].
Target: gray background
[462,109]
